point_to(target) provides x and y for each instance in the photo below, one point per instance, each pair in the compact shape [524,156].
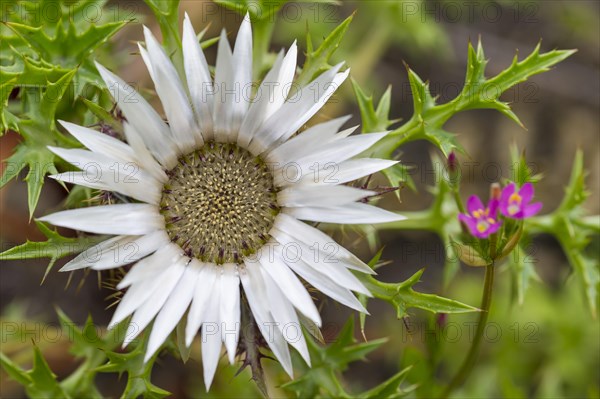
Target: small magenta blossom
[516,204]
[481,221]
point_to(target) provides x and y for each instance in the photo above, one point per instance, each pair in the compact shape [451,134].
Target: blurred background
[548,347]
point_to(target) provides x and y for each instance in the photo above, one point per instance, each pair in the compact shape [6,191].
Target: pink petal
[532,209]
[474,204]
[506,193]
[469,221]
[526,193]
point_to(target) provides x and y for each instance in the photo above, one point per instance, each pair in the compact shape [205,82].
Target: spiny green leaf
[520,71]
[523,272]
[318,60]
[575,192]
[566,224]
[38,132]
[403,297]
[29,72]
[43,111]
[104,117]
[13,165]
[84,340]
[444,140]
[429,118]
[14,371]
[476,64]
[373,120]
[167,15]
[328,362]
[521,172]
[66,46]
[39,382]
[40,162]
[391,388]
[397,175]
[88,345]
[55,247]
[138,371]
[422,98]
[258,10]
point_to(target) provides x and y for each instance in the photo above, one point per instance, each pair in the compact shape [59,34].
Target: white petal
[307,141]
[152,266]
[314,195]
[117,251]
[326,157]
[211,337]
[198,78]
[265,94]
[271,94]
[286,318]
[172,96]
[277,268]
[134,297]
[354,213]
[297,110]
[128,219]
[101,143]
[143,117]
[202,293]
[101,171]
[312,236]
[255,291]
[325,264]
[284,78]
[242,76]
[146,312]
[349,170]
[86,179]
[173,310]
[230,309]
[145,158]
[225,90]
[327,286]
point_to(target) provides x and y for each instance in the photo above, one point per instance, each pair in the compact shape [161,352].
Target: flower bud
[495,191]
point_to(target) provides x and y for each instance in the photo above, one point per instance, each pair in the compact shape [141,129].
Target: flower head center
[220,203]
[482,226]
[515,198]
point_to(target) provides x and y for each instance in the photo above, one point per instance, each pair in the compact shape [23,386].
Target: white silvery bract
[217,197]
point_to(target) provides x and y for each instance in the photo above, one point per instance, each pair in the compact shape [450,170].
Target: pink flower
[481,221]
[516,204]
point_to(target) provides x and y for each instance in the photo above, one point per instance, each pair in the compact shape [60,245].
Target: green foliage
[377,120]
[39,382]
[47,73]
[50,62]
[478,92]
[373,119]
[167,15]
[85,344]
[574,232]
[402,297]
[55,247]
[328,362]
[258,10]
[317,60]
[138,372]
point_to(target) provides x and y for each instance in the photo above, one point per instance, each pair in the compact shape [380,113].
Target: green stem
[458,200]
[471,358]
[262,30]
